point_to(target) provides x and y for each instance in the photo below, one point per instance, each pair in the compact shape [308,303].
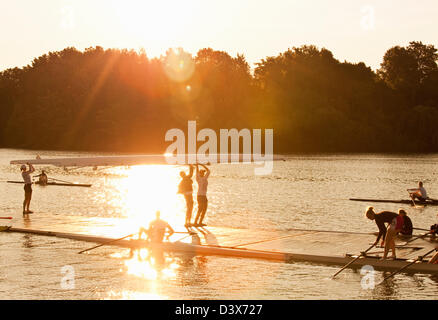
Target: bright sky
[354,30]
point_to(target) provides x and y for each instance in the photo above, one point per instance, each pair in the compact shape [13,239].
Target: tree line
[121,100]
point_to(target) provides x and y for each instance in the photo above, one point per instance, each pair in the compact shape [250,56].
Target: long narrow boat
[206,250]
[61,184]
[429,202]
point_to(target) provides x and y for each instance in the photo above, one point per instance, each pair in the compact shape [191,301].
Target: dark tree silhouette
[120,100]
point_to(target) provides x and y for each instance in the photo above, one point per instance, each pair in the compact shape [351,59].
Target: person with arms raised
[202,179]
[26,174]
[185,188]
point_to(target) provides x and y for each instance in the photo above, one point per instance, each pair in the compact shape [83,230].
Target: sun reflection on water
[148,266]
[143,190]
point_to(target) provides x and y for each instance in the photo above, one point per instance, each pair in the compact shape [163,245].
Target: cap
[23,167]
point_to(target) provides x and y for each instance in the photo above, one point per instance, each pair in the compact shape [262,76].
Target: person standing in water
[202,180]
[26,174]
[186,188]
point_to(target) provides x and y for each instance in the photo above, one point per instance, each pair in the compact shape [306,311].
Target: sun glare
[146,189]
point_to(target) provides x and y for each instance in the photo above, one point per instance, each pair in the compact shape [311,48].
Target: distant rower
[418,193]
[157,230]
[27,187]
[42,178]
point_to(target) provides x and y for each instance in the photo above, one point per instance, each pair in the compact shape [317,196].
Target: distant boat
[61,184]
[430,202]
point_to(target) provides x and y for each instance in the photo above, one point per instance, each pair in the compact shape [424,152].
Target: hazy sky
[354,30]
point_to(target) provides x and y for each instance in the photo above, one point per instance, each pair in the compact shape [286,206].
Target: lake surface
[309,192]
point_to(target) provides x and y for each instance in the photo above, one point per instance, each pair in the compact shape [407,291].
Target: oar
[60,180]
[415,238]
[361,254]
[5,217]
[412,198]
[182,238]
[421,229]
[408,265]
[102,244]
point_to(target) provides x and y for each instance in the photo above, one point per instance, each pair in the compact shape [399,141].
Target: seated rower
[157,230]
[42,178]
[419,193]
[434,229]
[407,224]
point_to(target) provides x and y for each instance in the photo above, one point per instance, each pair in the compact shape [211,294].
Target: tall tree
[408,69]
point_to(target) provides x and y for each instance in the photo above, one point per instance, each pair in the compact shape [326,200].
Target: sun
[158,20]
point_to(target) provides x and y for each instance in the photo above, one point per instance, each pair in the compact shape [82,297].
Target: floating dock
[297,245]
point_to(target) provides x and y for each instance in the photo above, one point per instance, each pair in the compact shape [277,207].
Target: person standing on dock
[419,193]
[157,230]
[380,218]
[186,188]
[26,174]
[394,228]
[202,180]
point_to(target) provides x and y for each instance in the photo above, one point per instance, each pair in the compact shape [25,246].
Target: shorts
[202,199]
[28,188]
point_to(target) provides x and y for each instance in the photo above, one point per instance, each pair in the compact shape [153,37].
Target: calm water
[303,192]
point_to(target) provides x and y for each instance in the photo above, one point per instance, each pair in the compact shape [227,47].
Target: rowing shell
[207,250]
[57,184]
[431,202]
[150,159]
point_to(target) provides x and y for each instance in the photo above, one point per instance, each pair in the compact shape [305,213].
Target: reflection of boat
[61,184]
[431,202]
[206,250]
